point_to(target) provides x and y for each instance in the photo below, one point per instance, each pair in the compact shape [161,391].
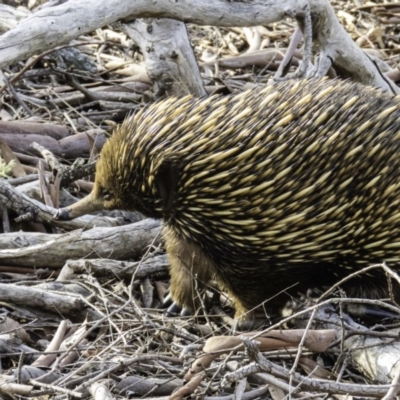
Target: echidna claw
[167,302]
[62,214]
[186,312]
[247,325]
[173,310]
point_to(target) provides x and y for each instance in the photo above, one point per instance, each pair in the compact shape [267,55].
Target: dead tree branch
[54,26]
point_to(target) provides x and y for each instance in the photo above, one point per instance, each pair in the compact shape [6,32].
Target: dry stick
[20,364]
[271,380]
[32,63]
[50,158]
[5,219]
[56,389]
[16,389]
[284,65]
[307,311]
[203,306]
[23,179]
[43,186]
[359,272]
[95,326]
[73,173]
[342,368]
[45,360]
[253,351]
[55,190]
[30,209]
[394,389]
[16,96]
[78,381]
[322,385]
[391,273]
[110,321]
[109,96]
[260,392]
[74,109]
[147,290]
[300,349]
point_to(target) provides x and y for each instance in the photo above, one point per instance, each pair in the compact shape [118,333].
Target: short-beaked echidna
[273,190]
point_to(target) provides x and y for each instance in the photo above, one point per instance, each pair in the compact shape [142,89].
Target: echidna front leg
[190,271]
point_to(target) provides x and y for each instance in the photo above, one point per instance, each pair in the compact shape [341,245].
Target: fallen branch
[120,269]
[53,26]
[64,304]
[31,209]
[123,242]
[314,340]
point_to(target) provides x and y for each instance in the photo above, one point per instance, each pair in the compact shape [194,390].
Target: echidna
[273,190]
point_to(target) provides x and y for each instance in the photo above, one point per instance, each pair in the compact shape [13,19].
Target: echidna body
[276,189]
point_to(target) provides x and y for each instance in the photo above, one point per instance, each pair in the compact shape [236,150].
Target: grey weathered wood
[120,269]
[11,16]
[54,302]
[169,58]
[57,25]
[53,250]
[22,204]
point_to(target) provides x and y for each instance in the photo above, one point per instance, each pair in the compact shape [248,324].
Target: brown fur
[191,269]
[187,264]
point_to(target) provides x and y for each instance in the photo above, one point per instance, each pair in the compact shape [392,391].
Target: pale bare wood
[11,16]
[53,250]
[69,147]
[169,58]
[120,269]
[374,354]
[53,26]
[32,209]
[52,130]
[65,304]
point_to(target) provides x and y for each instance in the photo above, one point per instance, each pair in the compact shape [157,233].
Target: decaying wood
[32,209]
[262,364]
[55,131]
[120,269]
[323,339]
[260,58]
[70,147]
[170,61]
[52,251]
[317,341]
[157,387]
[330,40]
[66,304]
[11,16]
[375,354]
